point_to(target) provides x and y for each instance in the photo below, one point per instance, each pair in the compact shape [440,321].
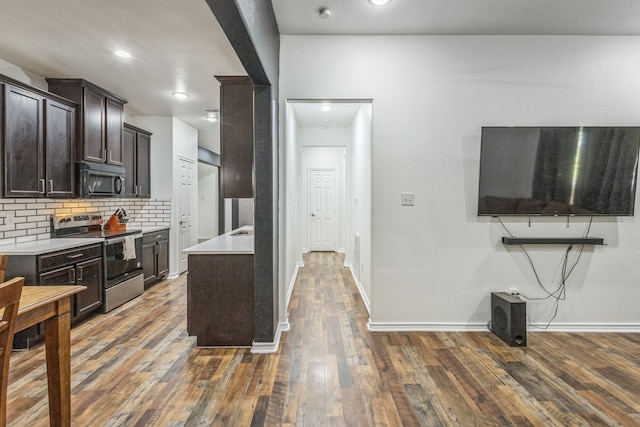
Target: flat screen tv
[558,171]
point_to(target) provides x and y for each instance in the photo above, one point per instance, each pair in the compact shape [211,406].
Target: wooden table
[52,305]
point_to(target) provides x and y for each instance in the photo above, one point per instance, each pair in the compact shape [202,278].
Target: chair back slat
[10,292]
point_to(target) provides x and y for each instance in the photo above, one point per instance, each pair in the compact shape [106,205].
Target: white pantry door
[186,209]
[322,209]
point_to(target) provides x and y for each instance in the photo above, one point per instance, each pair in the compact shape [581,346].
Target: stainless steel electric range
[121,253]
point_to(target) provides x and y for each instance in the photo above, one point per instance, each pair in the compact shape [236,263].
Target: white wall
[435,264]
[245,212]
[290,243]
[23,75]
[172,138]
[207,201]
[161,152]
[360,199]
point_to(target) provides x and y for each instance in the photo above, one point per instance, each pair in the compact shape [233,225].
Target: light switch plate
[407,199]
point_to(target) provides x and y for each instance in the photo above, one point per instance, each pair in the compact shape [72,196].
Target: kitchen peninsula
[220,290]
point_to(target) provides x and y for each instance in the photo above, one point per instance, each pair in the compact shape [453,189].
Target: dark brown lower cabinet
[87,273]
[155,256]
[220,299]
[77,266]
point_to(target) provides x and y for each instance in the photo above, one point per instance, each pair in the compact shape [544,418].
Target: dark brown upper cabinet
[100,121]
[136,155]
[39,138]
[236,137]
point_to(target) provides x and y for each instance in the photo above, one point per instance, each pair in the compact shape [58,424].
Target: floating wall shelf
[552,241]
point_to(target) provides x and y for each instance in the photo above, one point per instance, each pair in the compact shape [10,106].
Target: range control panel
[76,220]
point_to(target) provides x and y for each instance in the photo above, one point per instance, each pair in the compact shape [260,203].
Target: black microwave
[99,180]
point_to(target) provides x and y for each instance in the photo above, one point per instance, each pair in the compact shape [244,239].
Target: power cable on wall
[559,293]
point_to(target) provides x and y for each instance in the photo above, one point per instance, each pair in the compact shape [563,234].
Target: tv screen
[558,170]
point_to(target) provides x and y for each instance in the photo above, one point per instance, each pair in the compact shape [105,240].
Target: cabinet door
[61,277]
[236,136]
[129,159]
[149,263]
[143,169]
[162,253]
[59,147]
[114,113]
[94,127]
[23,143]
[89,274]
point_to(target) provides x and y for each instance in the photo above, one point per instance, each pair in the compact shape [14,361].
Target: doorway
[321,136]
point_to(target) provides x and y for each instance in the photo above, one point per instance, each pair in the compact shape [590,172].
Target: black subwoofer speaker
[509,318]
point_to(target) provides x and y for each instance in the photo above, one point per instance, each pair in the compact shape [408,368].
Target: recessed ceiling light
[122,53]
[326,107]
[212,115]
[379,2]
[180,95]
[324,13]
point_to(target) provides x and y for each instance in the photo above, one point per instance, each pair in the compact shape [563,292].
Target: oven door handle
[121,239]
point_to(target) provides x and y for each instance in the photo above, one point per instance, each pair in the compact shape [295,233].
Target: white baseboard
[424,327]
[480,327]
[363,294]
[271,347]
[173,276]
[293,281]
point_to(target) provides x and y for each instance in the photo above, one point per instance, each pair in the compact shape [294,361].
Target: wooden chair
[10,292]
[3,266]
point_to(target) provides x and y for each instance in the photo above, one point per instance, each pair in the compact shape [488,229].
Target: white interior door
[322,209]
[186,210]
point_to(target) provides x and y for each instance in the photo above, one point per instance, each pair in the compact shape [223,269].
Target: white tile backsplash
[28,219]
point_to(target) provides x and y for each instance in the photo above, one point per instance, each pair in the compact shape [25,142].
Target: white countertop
[225,244]
[47,245]
[153,229]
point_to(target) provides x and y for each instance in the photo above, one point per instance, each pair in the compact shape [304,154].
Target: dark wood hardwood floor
[136,366]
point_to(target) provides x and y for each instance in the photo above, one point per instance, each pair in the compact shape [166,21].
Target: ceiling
[461,17]
[309,114]
[177,45]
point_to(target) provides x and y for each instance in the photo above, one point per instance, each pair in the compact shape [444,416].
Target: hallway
[136,366]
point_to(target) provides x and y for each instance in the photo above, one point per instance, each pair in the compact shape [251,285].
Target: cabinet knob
[42,186]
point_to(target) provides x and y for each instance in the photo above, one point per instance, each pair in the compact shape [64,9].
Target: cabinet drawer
[67,257]
[155,236]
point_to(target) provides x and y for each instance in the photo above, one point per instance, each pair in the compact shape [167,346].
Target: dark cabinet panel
[89,274]
[60,135]
[39,138]
[143,164]
[101,120]
[23,143]
[129,160]
[162,248]
[79,266]
[60,277]
[155,256]
[220,299]
[236,136]
[114,117]
[149,264]
[94,127]
[137,161]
